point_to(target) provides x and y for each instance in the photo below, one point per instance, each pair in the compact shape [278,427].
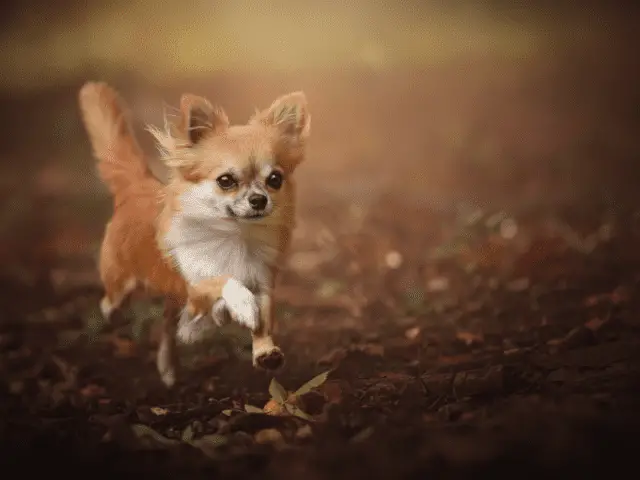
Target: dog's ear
[290,115]
[198,118]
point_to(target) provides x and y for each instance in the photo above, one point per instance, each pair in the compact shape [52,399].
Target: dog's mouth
[250,217]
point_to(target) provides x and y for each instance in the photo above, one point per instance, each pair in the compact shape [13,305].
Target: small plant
[283,402]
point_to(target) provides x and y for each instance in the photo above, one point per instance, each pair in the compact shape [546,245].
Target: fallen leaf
[297,412]
[187,434]
[227,412]
[315,382]
[594,324]
[159,411]
[251,409]
[277,391]
[615,297]
[469,338]
[334,356]
[362,435]
[92,391]
[329,288]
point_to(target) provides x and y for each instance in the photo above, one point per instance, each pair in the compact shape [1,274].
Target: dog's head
[236,172]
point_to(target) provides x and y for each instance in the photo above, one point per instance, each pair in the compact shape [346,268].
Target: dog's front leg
[239,301]
[265,353]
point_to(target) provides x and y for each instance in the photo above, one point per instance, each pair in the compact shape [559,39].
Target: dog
[211,240]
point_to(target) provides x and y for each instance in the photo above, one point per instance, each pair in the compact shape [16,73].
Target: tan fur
[134,251]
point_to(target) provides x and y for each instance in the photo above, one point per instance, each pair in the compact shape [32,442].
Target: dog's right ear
[198,119]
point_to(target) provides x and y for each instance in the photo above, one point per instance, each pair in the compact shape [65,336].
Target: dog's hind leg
[116,292]
[167,359]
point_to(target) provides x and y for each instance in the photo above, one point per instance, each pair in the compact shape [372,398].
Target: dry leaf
[297,412]
[362,435]
[335,355]
[92,391]
[187,434]
[277,391]
[469,338]
[251,409]
[594,324]
[315,382]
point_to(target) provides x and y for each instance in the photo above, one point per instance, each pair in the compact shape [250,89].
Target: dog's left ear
[290,115]
[198,118]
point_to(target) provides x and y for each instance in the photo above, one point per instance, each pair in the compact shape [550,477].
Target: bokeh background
[446,105]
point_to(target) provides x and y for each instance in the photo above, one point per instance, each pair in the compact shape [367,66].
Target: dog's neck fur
[202,246]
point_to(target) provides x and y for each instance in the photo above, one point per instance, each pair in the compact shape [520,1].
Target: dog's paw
[272,359]
[241,303]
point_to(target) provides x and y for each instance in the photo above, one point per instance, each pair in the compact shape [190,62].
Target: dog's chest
[204,250]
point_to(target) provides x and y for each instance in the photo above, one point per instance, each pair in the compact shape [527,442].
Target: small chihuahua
[211,240]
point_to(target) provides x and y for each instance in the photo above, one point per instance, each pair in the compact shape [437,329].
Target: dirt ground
[503,355]
[476,315]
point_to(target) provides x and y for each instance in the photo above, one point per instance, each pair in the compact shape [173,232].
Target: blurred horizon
[172,41]
[493,105]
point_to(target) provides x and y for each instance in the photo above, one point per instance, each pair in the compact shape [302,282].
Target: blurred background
[441,106]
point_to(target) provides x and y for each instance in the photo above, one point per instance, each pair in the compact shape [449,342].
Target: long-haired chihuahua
[211,240]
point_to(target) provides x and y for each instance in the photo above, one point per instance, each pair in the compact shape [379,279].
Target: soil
[504,355]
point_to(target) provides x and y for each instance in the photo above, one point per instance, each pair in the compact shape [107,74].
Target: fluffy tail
[121,161]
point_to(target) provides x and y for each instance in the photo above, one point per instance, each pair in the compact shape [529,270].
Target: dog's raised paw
[271,360]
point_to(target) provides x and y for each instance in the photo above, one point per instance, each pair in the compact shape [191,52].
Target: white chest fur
[210,248]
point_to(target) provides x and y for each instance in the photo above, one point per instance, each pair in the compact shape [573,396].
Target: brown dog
[211,240]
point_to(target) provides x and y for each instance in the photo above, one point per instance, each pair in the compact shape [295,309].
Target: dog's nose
[258,201]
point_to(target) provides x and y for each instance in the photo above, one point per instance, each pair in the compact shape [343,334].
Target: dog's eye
[226,182]
[274,180]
